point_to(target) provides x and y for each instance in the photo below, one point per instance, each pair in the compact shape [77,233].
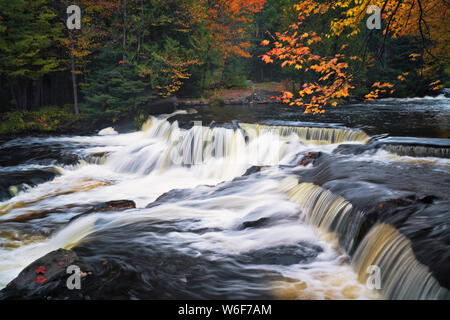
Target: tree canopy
[128,52]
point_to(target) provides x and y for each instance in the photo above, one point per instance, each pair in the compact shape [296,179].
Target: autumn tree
[335,72]
[228,23]
[147,53]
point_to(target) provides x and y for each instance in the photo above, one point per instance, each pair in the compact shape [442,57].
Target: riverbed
[243,202]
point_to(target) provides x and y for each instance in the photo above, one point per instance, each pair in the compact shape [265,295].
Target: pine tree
[28,33]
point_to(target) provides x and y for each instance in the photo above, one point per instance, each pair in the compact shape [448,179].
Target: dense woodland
[129,52]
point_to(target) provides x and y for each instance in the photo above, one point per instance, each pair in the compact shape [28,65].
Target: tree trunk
[124,28]
[37,94]
[74,77]
[140,33]
[42,102]
[74,85]
[23,95]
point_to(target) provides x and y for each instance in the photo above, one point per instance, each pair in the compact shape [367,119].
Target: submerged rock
[115,205]
[192,111]
[107,132]
[354,149]
[262,222]
[310,157]
[11,183]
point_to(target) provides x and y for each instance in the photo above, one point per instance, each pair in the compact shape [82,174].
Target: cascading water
[204,225]
[325,210]
[310,134]
[404,277]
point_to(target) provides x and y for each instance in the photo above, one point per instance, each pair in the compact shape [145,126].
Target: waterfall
[325,210]
[418,151]
[199,145]
[416,147]
[165,145]
[190,196]
[313,135]
[402,275]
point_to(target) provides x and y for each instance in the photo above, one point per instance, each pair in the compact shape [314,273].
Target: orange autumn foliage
[427,20]
[226,22]
[332,82]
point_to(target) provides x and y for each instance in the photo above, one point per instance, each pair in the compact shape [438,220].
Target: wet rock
[353,149]
[284,255]
[310,157]
[116,205]
[192,111]
[252,170]
[47,278]
[412,198]
[13,182]
[255,224]
[99,154]
[425,224]
[169,196]
[97,157]
[107,132]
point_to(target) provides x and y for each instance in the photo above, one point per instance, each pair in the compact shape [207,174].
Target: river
[226,209]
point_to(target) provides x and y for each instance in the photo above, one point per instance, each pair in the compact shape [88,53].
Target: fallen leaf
[41,269]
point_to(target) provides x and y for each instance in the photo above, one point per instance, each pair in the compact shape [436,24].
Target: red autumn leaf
[41,269]
[121,61]
[40,279]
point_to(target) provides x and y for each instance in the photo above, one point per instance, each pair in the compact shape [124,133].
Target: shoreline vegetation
[56,120]
[61,120]
[129,56]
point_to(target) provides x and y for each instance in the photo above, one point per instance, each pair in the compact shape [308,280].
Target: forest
[128,53]
[230,150]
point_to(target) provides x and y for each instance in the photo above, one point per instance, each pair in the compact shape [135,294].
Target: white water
[142,166]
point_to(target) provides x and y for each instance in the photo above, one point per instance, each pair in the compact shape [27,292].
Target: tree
[147,53]
[334,72]
[228,23]
[29,31]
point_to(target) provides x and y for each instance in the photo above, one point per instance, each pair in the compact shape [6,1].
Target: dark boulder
[354,149]
[47,278]
[302,253]
[252,170]
[262,222]
[310,157]
[21,180]
[116,205]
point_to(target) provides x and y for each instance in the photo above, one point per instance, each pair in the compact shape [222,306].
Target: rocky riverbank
[256,93]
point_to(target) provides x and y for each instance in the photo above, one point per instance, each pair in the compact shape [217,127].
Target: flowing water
[205,226]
